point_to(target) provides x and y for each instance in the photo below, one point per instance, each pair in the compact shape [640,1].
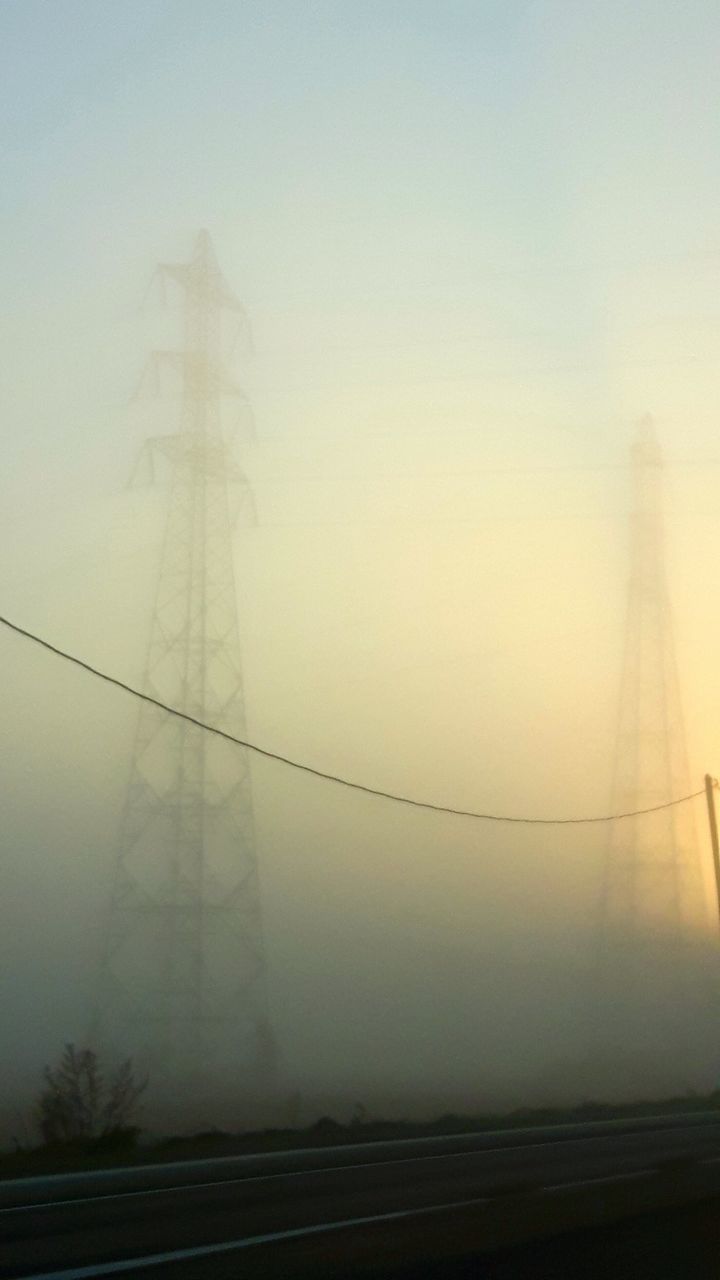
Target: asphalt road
[332,1212]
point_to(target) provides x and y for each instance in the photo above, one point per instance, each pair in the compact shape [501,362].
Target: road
[361,1207]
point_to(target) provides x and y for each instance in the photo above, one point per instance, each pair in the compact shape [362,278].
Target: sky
[476,242]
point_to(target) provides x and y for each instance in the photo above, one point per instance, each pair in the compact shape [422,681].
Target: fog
[476,242]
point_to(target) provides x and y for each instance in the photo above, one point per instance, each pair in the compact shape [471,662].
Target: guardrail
[53,1188]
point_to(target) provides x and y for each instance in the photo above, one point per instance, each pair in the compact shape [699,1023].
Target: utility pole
[183,975]
[710,785]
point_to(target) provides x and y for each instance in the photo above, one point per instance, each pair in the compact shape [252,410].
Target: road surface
[364,1207]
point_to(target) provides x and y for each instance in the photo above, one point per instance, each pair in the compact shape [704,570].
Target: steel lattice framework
[654,906]
[184,970]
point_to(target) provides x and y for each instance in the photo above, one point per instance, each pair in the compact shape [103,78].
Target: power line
[321,773]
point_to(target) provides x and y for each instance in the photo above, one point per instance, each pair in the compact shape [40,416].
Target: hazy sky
[476,241]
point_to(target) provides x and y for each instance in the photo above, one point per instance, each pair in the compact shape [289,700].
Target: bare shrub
[79,1104]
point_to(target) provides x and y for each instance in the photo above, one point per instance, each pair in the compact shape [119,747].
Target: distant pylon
[654,904]
[183,978]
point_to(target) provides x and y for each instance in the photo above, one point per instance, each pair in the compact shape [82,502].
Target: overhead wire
[325,775]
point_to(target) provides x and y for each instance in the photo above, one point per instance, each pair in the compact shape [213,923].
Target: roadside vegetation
[81,1104]
[88,1120]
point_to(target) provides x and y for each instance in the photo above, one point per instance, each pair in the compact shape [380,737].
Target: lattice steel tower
[654,904]
[184,968]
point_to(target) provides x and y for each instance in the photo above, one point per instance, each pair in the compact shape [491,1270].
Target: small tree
[78,1104]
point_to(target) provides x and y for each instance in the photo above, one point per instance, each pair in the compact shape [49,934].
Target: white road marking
[711,1160]
[230,1182]
[294,1173]
[593,1182]
[230,1246]
[603,1130]
[221,1182]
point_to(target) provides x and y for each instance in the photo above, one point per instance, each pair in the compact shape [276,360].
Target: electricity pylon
[184,967]
[654,906]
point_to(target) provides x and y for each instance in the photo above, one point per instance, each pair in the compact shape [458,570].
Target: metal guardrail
[54,1188]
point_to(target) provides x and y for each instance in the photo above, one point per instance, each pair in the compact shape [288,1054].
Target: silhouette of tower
[654,905]
[183,977]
